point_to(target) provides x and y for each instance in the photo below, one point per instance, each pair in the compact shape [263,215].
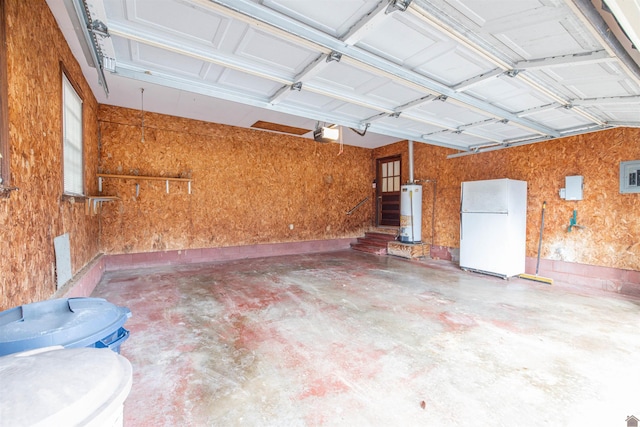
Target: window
[4,106]
[391,176]
[72,135]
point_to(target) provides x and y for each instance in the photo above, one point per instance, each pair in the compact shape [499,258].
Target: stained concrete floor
[347,338]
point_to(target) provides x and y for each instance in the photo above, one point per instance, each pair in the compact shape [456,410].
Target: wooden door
[388,191]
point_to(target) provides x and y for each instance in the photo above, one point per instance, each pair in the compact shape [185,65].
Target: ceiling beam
[310,70]
[612,100]
[555,61]
[538,109]
[526,141]
[481,78]
[624,124]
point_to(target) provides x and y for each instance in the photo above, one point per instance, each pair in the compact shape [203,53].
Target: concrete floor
[347,338]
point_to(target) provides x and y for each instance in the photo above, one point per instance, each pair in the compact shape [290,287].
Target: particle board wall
[31,217]
[249,186]
[611,233]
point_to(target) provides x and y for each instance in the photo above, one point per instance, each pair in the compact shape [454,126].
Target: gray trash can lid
[69,322]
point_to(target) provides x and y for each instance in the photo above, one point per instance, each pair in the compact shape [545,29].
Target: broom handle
[544,205]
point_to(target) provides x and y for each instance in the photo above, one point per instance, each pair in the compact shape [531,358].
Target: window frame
[5,176]
[65,78]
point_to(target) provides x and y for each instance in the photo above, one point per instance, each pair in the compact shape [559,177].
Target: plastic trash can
[56,386]
[67,322]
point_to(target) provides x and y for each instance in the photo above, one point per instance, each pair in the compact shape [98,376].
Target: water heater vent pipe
[411,181]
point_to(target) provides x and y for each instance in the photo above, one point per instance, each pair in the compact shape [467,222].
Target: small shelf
[166,179]
[93,201]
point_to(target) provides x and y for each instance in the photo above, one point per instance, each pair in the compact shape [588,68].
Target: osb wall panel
[32,216]
[611,233]
[248,186]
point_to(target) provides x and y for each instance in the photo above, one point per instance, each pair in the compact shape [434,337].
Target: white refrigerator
[493,225]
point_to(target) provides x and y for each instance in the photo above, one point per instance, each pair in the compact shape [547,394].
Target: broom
[536,277]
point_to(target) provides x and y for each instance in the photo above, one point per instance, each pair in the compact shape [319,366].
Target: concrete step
[363,247]
[379,237]
[374,243]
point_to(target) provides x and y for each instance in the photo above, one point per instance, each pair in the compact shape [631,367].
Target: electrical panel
[573,186]
[630,177]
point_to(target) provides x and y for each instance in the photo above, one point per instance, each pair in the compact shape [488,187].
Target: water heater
[411,213]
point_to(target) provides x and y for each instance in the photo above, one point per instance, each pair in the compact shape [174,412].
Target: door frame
[379,186]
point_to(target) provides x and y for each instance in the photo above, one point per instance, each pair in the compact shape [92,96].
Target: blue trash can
[67,322]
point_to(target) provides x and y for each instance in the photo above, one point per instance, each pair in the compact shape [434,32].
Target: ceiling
[472,75]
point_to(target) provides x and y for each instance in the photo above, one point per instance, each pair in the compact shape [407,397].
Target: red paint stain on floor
[320,387]
[457,321]
[509,326]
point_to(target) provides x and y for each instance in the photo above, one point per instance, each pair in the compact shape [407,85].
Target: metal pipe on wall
[410,162]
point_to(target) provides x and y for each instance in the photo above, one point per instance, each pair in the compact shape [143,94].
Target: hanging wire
[142,110]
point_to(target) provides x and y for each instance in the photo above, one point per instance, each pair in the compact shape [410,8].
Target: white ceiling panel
[274,52]
[458,73]
[504,131]
[448,113]
[510,94]
[354,112]
[245,82]
[155,58]
[407,124]
[333,17]
[394,93]
[561,118]
[592,80]
[392,42]
[454,65]
[457,139]
[615,110]
[311,100]
[177,18]
[347,77]
[483,13]
[539,39]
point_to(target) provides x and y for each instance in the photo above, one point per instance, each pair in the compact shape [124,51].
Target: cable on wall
[142,111]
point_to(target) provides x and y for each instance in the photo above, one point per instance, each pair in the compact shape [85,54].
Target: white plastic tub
[54,386]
